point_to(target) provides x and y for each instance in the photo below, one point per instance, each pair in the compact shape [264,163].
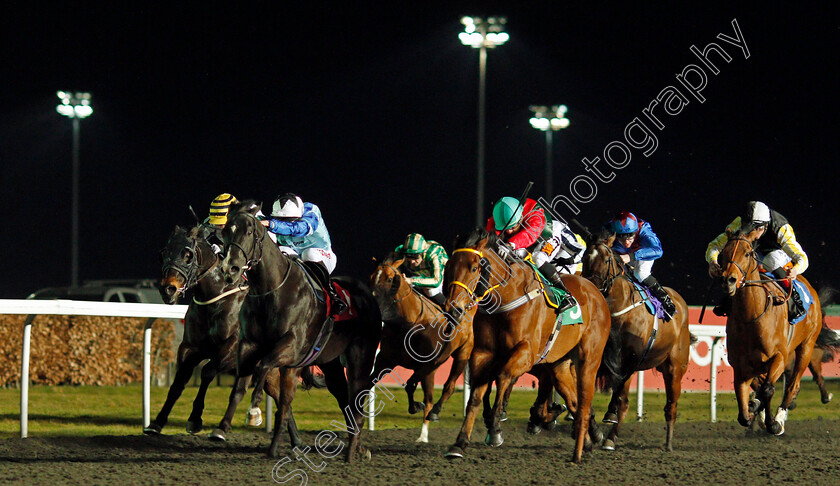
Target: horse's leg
[540,409]
[742,397]
[487,407]
[587,369]
[254,416]
[776,424]
[460,358]
[410,388]
[792,384]
[621,403]
[816,371]
[505,400]
[519,362]
[479,382]
[287,379]
[672,375]
[246,357]
[360,358]
[188,358]
[428,385]
[208,373]
[566,384]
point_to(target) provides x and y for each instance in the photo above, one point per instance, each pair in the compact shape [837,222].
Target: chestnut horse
[760,341]
[285,324]
[510,339]
[639,340]
[413,337]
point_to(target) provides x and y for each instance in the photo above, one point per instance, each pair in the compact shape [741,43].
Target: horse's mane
[247,206]
[602,235]
[473,237]
[392,257]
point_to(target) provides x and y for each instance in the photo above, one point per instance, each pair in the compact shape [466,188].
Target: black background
[371,113]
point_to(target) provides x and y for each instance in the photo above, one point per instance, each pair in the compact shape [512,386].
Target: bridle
[614,271]
[189,271]
[485,271]
[743,282]
[396,283]
[257,245]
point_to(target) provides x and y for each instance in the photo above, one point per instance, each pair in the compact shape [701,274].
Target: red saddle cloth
[350,312]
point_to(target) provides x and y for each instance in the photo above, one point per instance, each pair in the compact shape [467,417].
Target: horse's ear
[729,233]
[374,259]
[610,240]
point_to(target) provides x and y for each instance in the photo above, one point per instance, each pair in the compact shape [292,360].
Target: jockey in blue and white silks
[638,246]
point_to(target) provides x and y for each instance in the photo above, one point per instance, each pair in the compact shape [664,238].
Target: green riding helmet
[506,213]
[414,244]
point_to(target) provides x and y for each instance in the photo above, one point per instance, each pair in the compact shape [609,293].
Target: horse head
[181,261]
[243,236]
[467,274]
[599,263]
[388,286]
[739,260]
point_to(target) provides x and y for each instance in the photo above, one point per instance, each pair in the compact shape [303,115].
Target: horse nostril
[731,280]
[234,270]
[170,290]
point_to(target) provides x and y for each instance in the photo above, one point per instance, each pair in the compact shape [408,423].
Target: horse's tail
[692,339]
[828,339]
[311,379]
[609,373]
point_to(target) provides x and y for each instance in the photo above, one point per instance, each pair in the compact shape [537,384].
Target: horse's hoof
[454,452]
[776,428]
[608,445]
[254,418]
[218,435]
[793,405]
[503,416]
[597,437]
[549,426]
[433,417]
[534,429]
[743,421]
[570,417]
[415,407]
[610,418]
[494,440]
[754,405]
[152,429]
[422,440]
[194,427]
[825,399]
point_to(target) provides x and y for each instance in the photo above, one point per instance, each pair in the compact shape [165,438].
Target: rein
[250,261]
[190,272]
[475,298]
[743,283]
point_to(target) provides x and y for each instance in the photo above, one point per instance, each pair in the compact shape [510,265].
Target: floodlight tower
[549,120]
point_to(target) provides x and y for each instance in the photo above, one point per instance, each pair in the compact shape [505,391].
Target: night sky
[372,115]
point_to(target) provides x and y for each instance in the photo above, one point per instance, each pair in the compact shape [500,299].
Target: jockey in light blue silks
[301,231]
[638,246]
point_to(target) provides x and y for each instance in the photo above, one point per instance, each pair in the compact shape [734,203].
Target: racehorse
[211,325]
[760,341]
[413,337]
[638,340]
[510,339]
[285,324]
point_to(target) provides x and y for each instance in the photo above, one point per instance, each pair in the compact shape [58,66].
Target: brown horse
[413,337]
[510,339]
[760,341]
[639,340]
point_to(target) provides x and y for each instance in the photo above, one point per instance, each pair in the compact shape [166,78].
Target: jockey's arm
[532,225]
[304,226]
[787,240]
[717,244]
[435,260]
[651,248]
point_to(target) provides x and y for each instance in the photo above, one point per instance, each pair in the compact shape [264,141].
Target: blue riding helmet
[624,223]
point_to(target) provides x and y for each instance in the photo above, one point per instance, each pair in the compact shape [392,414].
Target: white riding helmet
[287,206]
[757,214]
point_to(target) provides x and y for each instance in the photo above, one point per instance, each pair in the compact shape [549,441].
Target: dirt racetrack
[705,453]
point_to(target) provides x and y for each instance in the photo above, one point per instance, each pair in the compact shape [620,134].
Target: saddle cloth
[800,288]
[350,312]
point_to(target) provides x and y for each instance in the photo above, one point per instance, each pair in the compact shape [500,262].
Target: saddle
[318,278]
[652,304]
[798,287]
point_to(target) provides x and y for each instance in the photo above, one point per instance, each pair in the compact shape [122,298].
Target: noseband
[189,271]
[252,259]
[743,280]
[485,271]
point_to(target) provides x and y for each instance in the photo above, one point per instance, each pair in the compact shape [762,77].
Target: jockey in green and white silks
[423,265]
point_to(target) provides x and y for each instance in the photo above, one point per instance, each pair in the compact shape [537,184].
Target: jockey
[524,228]
[215,223]
[424,262]
[783,256]
[638,246]
[301,232]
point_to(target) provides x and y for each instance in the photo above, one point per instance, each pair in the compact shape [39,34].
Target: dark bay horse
[414,337]
[285,325]
[211,325]
[510,339]
[760,341]
[638,340]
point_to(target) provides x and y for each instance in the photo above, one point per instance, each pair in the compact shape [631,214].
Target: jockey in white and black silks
[638,246]
[782,255]
[301,231]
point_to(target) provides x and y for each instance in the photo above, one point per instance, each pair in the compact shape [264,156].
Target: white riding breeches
[775,259]
[641,268]
[563,245]
[327,257]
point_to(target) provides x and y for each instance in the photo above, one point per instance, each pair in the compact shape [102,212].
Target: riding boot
[438,299]
[664,298]
[323,274]
[723,307]
[795,306]
[549,271]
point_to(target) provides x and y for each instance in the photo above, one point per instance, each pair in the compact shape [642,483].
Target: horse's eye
[186,255]
[474,269]
[390,279]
